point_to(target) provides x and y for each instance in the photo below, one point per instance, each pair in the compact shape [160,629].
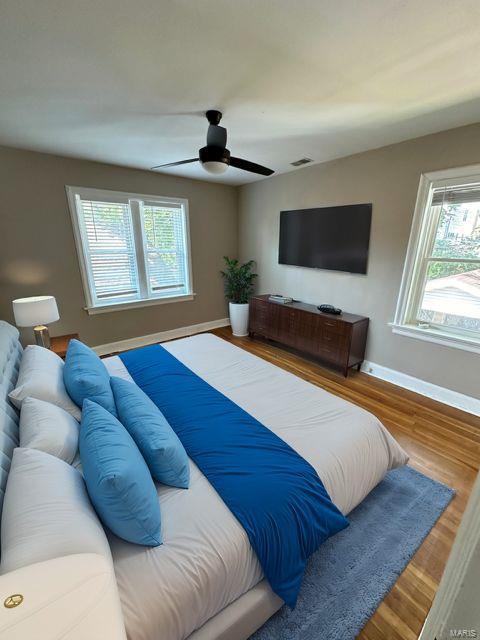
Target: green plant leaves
[238,280]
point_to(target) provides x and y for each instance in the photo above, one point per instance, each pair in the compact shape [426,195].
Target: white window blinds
[165,248]
[131,248]
[110,250]
[456,195]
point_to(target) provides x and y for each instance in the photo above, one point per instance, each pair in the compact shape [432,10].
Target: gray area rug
[351,573]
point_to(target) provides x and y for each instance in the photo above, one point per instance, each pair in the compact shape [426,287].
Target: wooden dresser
[337,340]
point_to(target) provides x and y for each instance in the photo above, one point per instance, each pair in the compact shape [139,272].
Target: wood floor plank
[443,443]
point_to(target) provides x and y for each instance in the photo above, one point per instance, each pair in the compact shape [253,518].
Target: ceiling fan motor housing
[214,154]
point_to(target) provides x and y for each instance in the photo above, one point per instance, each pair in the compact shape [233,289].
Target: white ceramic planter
[239,318]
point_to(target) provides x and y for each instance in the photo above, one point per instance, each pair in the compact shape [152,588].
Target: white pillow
[48,428]
[41,377]
[46,512]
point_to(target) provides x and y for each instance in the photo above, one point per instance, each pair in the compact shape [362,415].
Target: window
[440,293]
[133,249]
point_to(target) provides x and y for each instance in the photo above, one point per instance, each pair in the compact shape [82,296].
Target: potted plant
[238,289]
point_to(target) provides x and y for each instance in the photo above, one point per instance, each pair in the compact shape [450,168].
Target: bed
[205,581]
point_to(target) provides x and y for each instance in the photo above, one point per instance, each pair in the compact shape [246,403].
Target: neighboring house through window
[133,249]
[440,292]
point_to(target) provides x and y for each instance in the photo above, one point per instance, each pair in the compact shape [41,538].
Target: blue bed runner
[273,492]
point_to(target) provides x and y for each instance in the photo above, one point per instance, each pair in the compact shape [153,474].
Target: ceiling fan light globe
[214,167]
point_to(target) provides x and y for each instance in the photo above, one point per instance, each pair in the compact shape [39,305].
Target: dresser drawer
[332,354]
[331,339]
[255,327]
[332,325]
[258,307]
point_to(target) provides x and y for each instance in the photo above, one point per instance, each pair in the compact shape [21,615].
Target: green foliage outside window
[449,244]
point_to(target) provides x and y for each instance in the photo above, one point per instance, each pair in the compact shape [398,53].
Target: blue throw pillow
[85,376]
[163,452]
[118,480]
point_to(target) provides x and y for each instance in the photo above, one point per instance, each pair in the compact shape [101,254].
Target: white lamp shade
[215,167]
[30,312]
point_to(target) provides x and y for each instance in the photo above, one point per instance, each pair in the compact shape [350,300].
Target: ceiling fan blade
[174,164]
[250,166]
[216,136]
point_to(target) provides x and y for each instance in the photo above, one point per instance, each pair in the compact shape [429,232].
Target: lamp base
[42,337]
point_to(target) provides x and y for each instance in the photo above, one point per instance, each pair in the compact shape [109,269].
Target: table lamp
[36,312]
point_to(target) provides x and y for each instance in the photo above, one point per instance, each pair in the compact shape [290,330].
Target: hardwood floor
[443,443]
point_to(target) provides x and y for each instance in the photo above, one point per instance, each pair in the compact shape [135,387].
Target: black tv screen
[334,238]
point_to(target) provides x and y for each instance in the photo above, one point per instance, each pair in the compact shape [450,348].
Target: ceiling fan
[215,157]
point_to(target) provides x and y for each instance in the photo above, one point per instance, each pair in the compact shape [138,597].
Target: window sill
[135,304]
[437,337]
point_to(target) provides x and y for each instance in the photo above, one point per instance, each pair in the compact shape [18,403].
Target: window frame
[422,237]
[135,202]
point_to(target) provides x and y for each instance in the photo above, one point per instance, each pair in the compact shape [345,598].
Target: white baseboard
[161,336]
[447,396]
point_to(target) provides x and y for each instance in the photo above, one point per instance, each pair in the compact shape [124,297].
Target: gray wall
[387,177]
[38,254]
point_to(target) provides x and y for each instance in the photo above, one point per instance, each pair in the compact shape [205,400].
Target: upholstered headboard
[10,355]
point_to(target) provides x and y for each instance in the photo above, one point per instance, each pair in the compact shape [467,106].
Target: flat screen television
[335,238]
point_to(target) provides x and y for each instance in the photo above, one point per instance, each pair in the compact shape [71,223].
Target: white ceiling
[127,81]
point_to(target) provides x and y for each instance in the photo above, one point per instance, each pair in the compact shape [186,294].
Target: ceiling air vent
[298,163]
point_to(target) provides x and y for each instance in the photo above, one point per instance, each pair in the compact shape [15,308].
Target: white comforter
[206,561]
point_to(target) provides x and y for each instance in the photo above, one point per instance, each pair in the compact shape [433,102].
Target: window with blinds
[109,250]
[164,231]
[132,248]
[441,288]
